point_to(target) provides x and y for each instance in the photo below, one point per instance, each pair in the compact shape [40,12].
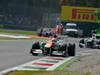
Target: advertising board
[82,14]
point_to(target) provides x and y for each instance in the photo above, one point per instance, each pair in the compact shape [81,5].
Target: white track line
[14,36]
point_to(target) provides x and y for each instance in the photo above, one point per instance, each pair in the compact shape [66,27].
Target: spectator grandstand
[26,13]
[31,14]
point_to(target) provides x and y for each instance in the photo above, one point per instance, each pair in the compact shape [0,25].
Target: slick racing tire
[51,52]
[64,49]
[71,50]
[35,46]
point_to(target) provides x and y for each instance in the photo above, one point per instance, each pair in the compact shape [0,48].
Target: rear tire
[71,49]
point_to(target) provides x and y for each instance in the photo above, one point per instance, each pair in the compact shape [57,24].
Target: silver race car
[90,42]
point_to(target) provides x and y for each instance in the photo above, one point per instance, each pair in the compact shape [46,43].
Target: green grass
[47,73]
[50,61]
[18,32]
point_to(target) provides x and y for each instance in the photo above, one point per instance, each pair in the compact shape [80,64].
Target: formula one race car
[46,32]
[90,43]
[53,47]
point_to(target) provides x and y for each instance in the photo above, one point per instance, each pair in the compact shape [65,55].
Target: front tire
[35,46]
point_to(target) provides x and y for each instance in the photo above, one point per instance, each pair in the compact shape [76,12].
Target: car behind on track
[93,42]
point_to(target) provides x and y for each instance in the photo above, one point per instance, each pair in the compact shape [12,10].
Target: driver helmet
[54,40]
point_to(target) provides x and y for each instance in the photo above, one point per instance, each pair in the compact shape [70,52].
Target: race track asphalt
[14,53]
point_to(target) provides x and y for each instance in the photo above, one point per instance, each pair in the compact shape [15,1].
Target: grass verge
[18,32]
[4,38]
[47,73]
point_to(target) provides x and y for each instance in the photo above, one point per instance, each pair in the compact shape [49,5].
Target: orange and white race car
[53,47]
